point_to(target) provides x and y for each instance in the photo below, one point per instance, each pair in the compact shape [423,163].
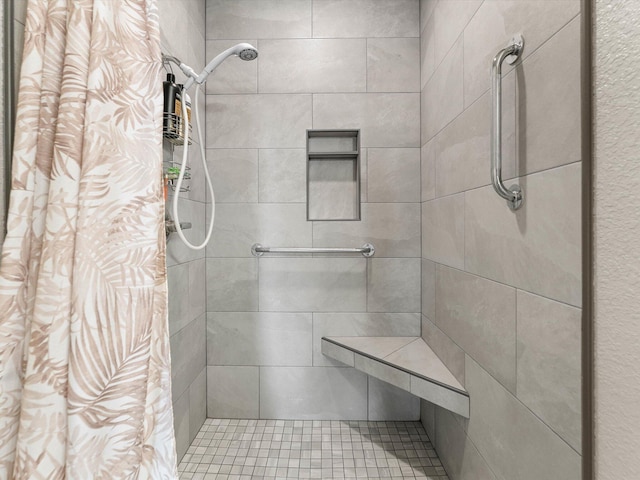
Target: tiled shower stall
[495,294]
[266,317]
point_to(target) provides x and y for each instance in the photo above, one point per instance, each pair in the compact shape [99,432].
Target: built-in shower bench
[406,362]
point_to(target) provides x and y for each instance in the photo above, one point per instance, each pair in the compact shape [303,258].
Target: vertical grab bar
[513,195]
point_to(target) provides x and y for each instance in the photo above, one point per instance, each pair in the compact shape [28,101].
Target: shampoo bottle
[168,117]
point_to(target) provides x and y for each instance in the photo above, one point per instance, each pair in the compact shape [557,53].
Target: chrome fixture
[246,52]
[170,227]
[367,250]
[513,195]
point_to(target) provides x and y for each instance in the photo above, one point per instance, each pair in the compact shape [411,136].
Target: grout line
[503,284]
[515,339]
[366,65]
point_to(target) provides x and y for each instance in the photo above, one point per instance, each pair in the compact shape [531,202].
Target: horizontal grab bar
[367,250]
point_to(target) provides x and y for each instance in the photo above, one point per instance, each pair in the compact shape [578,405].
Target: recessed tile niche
[333,175]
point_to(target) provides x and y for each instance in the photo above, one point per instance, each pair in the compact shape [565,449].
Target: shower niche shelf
[333,175]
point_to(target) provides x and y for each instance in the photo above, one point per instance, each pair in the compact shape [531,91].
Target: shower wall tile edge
[182,32]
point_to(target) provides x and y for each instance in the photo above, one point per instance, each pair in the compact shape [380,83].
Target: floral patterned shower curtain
[84,346]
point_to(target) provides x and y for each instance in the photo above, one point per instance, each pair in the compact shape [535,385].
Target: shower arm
[186,69]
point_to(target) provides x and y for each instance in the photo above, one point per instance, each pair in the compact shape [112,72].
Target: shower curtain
[84,349]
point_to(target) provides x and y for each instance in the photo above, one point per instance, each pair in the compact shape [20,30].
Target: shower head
[248,54]
[245,51]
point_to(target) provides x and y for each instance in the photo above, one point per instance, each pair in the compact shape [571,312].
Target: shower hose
[185,153]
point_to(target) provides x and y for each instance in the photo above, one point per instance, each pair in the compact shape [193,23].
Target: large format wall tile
[233,392]
[360,325]
[313,284]
[234,75]
[443,230]
[282,175]
[258,121]
[197,403]
[232,284]
[188,355]
[450,353]
[365,18]
[463,148]
[393,65]
[332,189]
[393,229]
[393,175]
[449,19]
[389,403]
[441,98]
[426,11]
[457,452]
[480,316]
[549,363]
[494,25]
[313,393]
[525,420]
[428,170]
[234,174]
[193,212]
[312,66]
[505,431]
[427,51]
[246,338]
[385,119]
[242,19]
[393,285]
[181,423]
[181,32]
[428,289]
[549,82]
[428,419]
[197,288]
[178,288]
[536,248]
[239,225]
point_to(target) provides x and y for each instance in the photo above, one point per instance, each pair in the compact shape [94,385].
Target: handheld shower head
[245,51]
[248,54]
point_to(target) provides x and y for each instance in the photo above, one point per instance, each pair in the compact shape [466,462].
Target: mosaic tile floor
[283,449]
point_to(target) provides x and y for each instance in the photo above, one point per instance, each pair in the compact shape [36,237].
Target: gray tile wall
[2,164]
[501,290]
[19,18]
[182,26]
[322,64]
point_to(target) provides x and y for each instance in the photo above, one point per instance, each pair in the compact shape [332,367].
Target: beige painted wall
[617,239]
